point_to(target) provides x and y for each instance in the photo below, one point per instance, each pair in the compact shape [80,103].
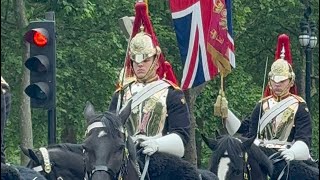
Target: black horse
[306,170]
[59,161]
[111,154]
[12,172]
[238,158]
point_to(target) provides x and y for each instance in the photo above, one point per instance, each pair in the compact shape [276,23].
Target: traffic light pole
[52,120]
[52,124]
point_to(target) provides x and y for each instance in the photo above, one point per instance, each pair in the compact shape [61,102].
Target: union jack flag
[204,44]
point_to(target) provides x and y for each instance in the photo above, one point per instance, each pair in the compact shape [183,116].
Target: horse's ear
[211,143]
[24,150]
[88,111]
[248,142]
[217,133]
[30,153]
[125,113]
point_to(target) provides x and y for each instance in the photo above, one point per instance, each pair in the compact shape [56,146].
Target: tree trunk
[191,149]
[25,124]
[68,134]
[199,141]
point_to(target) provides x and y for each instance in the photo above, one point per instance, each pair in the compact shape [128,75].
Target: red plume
[142,18]
[282,45]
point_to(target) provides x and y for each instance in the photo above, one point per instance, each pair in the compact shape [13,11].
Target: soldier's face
[282,87]
[147,67]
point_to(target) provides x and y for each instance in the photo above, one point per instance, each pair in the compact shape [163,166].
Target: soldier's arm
[254,120]
[303,129]
[178,118]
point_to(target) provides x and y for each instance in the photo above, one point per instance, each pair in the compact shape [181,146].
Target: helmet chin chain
[147,78]
[284,92]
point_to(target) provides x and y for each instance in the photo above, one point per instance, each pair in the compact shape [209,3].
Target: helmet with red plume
[281,68]
[144,44]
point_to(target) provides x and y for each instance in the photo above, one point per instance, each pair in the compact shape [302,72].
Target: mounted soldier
[281,120]
[160,115]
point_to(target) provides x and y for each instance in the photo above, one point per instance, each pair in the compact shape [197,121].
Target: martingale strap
[275,110]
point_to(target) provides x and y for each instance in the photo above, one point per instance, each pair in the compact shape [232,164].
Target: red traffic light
[40,39]
[38,36]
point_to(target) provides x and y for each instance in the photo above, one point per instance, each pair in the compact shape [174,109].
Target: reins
[275,158]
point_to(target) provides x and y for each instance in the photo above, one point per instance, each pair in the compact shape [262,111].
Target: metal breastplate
[149,116]
[280,127]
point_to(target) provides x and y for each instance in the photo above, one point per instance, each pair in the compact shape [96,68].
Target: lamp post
[308,41]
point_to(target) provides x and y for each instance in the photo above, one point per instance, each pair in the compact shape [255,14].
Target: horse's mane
[16,172]
[76,148]
[260,157]
[232,146]
[235,148]
[306,169]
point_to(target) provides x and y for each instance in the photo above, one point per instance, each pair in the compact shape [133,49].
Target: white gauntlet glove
[171,144]
[232,123]
[298,151]
[140,138]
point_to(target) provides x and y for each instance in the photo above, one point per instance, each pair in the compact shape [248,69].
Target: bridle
[47,166]
[275,158]
[246,167]
[114,175]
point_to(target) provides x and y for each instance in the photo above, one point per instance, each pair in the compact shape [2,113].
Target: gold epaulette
[125,84]
[300,99]
[265,98]
[175,86]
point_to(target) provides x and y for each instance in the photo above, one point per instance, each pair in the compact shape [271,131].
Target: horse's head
[230,159]
[59,161]
[105,145]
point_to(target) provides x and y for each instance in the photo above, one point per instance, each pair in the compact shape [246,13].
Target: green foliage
[91,49]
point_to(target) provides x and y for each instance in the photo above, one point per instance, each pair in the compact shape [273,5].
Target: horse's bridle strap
[100,168]
[38,168]
[46,159]
[94,125]
[105,169]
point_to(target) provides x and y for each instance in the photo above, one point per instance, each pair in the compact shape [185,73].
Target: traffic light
[42,64]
